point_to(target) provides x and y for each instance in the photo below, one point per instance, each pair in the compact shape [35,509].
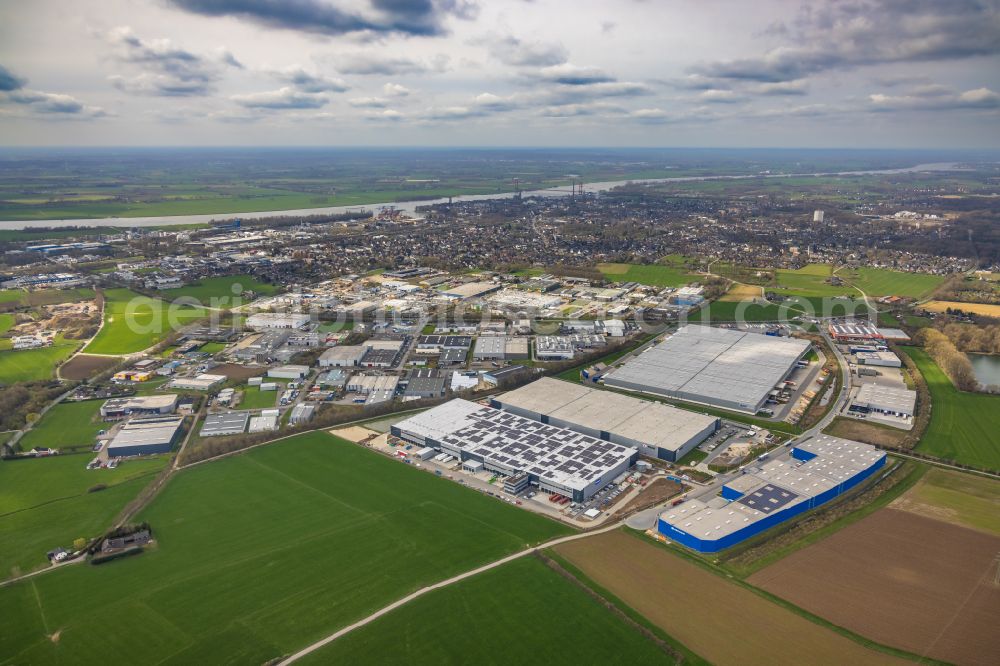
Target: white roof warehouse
[555,459]
[657,430]
[714,366]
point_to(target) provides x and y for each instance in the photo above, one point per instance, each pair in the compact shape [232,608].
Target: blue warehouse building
[820,468]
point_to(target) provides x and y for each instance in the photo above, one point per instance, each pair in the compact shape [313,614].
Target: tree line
[953,362]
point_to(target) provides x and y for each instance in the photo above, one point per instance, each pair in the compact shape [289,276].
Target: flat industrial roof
[226,423]
[713,365]
[775,485]
[889,398]
[651,423]
[147,432]
[555,455]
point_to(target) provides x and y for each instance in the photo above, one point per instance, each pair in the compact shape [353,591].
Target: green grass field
[22,297]
[68,425]
[809,281]
[722,311]
[26,365]
[260,554]
[221,292]
[44,503]
[212,347]
[254,398]
[963,498]
[6,322]
[655,275]
[964,426]
[552,622]
[881,282]
[133,322]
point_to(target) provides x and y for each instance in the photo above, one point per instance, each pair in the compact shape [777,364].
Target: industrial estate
[270,406]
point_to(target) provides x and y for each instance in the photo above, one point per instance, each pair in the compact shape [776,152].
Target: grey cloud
[780,88]
[283,98]
[407,17]
[573,75]
[309,82]
[715,96]
[9,81]
[365,64]
[848,35]
[171,71]
[578,110]
[520,53]
[52,103]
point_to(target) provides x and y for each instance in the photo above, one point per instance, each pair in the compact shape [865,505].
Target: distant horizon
[470,73]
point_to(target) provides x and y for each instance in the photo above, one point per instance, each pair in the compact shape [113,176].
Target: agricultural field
[83,366]
[46,502]
[878,282]
[327,532]
[869,432]
[963,426]
[718,619]
[479,619]
[14,298]
[655,275]
[957,498]
[6,322]
[222,292]
[810,280]
[743,292]
[984,309]
[67,425]
[26,365]
[903,579]
[133,322]
[723,311]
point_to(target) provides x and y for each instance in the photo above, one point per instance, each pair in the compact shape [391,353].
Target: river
[410,206]
[986,367]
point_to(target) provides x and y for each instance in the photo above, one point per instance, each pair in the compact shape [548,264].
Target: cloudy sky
[852,73]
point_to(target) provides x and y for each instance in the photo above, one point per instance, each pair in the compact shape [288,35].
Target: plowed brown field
[84,366]
[716,619]
[904,580]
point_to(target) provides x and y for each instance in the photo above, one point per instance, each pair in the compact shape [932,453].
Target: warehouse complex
[655,429]
[820,468]
[714,366]
[141,437]
[555,459]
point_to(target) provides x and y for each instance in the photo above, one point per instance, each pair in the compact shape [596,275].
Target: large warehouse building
[821,468]
[141,437]
[555,459]
[655,429]
[714,366]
